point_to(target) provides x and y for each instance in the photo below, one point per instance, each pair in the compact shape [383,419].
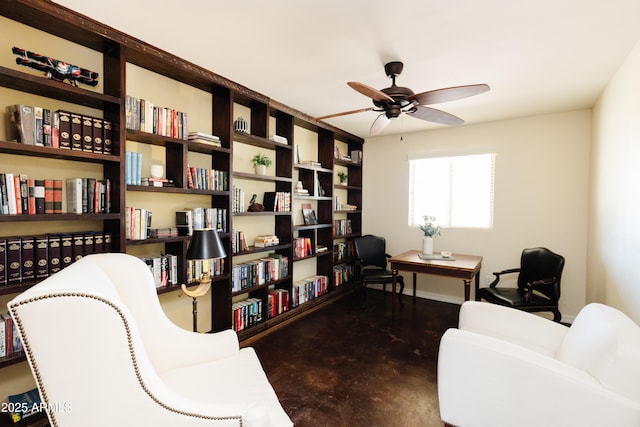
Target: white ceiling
[538,56]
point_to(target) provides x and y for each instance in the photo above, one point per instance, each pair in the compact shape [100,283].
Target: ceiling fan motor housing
[399,95]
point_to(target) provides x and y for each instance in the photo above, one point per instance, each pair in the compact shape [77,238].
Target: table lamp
[205,244]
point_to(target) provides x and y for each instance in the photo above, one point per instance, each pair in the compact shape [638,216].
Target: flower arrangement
[261,159]
[428,227]
[342,176]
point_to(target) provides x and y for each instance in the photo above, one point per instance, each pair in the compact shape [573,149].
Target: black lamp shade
[205,244]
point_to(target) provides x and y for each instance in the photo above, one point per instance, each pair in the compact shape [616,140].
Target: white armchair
[505,367]
[103,353]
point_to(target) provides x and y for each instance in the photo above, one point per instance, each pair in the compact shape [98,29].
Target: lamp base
[201,290]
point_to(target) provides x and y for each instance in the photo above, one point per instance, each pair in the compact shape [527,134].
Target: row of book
[277,201]
[342,227]
[239,242]
[59,129]
[308,289]
[10,341]
[259,271]
[207,179]
[343,250]
[21,195]
[246,313]
[197,267]
[143,115]
[133,168]
[342,273]
[302,247]
[137,223]
[164,269]
[238,204]
[199,218]
[27,259]
[278,301]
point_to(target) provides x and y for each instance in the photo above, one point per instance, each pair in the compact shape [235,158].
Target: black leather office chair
[371,265]
[538,283]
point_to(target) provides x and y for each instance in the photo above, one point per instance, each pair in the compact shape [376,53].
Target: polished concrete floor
[349,364]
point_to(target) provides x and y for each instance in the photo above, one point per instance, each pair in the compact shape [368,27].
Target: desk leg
[394,274]
[467,289]
[477,286]
[414,285]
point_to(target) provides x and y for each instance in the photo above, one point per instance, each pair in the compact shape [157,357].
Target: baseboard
[453,300]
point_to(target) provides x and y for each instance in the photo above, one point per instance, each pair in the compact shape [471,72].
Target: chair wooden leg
[557,317]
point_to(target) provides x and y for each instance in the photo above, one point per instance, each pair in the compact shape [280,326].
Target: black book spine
[3,262]
[41,258]
[55,258]
[28,257]
[64,118]
[14,260]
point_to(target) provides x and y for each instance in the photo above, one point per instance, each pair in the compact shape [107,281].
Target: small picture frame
[308,214]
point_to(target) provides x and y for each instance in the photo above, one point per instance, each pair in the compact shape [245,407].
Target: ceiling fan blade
[344,113]
[448,94]
[379,124]
[435,116]
[372,93]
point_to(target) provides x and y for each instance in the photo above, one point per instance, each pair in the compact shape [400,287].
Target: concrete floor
[349,364]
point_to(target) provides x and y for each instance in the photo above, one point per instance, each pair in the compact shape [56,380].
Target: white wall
[614,233]
[541,197]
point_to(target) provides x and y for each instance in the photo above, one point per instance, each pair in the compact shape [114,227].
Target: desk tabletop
[462,264]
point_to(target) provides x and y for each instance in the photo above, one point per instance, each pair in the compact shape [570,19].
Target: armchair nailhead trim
[27,348]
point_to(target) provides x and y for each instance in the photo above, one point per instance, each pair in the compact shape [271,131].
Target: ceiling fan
[396,100]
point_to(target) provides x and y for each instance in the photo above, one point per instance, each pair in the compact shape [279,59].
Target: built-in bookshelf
[121,58]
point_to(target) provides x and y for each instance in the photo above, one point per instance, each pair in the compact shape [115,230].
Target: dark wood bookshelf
[12,359]
[118,50]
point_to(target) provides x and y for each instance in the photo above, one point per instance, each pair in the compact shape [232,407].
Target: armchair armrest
[515,326]
[500,273]
[531,286]
[484,381]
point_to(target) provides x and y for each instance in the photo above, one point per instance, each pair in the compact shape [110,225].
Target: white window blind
[457,190]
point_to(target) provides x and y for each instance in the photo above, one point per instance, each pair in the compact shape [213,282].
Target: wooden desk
[465,267]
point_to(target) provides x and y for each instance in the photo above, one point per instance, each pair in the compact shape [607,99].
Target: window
[457,190]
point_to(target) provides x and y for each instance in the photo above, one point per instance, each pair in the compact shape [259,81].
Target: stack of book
[266,240]
[279,139]
[205,138]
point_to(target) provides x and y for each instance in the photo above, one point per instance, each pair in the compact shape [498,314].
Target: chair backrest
[604,342]
[83,345]
[541,263]
[371,250]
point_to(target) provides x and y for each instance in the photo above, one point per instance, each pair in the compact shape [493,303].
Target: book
[308,214]
[87,133]
[76,131]
[74,195]
[3,261]
[24,405]
[22,124]
[64,119]
[39,195]
[27,255]
[98,135]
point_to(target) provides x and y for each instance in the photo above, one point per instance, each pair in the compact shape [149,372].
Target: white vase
[261,170]
[427,245]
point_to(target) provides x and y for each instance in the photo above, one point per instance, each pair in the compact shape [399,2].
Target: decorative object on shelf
[261,162]
[254,206]
[300,190]
[205,244]
[241,125]
[156,171]
[55,69]
[342,176]
[430,229]
[308,214]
